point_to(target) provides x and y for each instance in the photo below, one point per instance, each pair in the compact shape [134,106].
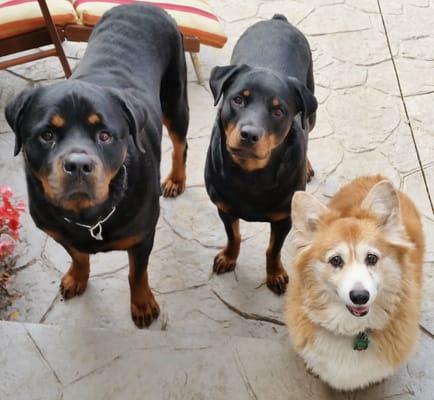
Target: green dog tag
[361,341]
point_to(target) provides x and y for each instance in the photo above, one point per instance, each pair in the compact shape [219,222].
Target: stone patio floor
[373,63]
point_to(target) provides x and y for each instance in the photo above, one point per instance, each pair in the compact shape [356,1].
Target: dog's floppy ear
[134,107]
[306,101]
[306,212]
[221,77]
[14,115]
[383,201]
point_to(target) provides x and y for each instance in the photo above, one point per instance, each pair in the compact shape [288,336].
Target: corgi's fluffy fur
[358,268]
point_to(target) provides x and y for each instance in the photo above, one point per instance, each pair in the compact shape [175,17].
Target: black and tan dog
[257,155]
[92,147]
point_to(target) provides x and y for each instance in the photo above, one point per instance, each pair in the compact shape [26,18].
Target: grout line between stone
[50,307]
[426,331]
[405,107]
[43,357]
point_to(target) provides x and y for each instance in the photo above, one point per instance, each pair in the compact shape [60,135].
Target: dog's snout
[250,134]
[359,297]
[78,164]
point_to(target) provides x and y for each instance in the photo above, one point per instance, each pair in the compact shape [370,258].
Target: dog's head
[258,110]
[74,138]
[351,266]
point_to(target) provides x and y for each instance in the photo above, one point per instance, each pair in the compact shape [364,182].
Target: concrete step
[51,362]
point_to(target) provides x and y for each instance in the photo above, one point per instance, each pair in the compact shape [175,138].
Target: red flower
[9,221]
[6,248]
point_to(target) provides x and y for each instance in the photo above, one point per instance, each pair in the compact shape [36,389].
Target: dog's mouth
[244,153]
[78,196]
[358,311]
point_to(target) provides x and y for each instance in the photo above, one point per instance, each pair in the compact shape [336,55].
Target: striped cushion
[21,16]
[194,17]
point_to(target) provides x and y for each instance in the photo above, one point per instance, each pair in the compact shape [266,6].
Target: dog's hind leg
[277,278]
[175,109]
[226,259]
[311,121]
[309,171]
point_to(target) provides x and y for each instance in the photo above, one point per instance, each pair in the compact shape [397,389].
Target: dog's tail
[280,17]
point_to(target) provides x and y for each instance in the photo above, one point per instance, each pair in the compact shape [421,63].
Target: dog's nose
[359,296]
[250,134]
[77,164]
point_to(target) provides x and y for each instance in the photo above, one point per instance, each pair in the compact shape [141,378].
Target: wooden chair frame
[51,34]
[32,40]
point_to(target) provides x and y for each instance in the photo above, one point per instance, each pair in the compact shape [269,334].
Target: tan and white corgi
[355,289]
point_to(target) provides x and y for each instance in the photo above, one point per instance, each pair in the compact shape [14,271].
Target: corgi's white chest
[332,358]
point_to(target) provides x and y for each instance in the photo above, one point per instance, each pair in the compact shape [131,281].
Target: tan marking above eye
[93,119]
[276,102]
[247,93]
[57,121]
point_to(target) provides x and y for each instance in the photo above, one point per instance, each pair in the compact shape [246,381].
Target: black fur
[272,59]
[132,74]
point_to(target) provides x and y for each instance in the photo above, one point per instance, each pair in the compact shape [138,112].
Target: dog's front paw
[172,188]
[224,263]
[278,281]
[71,285]
[144,313]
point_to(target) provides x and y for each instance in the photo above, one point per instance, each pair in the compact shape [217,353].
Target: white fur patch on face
[356,275]
[381,280]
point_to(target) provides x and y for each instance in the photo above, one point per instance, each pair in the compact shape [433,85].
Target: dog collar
[96,230]
[361,341]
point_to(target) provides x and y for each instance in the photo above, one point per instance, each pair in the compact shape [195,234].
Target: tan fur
[225,260]
[54,181]
[246,93]
[74,282]
[57,121]
[279,216]
[277,278]
[301,328]
[222,206]
[347,222]
[144,307]
[232,248]
[262,149]
[174,184]
[309,171]
[93,119]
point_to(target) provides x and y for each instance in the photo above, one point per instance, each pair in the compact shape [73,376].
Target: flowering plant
[9,222]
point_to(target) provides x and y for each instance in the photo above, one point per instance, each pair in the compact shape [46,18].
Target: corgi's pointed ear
[383,201]
[306,212]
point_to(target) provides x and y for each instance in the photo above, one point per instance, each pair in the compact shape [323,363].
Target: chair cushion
[21,16]
[194,17]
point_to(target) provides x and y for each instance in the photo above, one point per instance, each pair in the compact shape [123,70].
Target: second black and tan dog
[257,155]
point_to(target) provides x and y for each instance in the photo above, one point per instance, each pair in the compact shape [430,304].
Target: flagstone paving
[375,87]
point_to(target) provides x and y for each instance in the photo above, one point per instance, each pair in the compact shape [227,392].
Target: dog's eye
[337,261]
[238,100]
[371,259]
[278,112]
[104,137]
[47,136]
